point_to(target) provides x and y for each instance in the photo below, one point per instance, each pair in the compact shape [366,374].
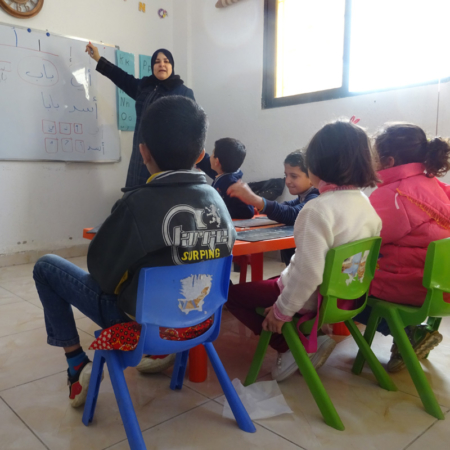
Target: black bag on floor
[269,189]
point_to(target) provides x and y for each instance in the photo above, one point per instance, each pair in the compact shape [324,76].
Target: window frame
[269,66]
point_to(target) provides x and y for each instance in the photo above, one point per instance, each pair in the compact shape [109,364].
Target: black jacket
[145,93]
[175,219]
[237,208]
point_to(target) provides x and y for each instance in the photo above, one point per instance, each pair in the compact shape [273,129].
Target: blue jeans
[61,285]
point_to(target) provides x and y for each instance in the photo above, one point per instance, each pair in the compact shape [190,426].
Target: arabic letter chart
[54,105]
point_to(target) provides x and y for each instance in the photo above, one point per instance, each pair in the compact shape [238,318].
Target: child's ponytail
[407,143]
[437,161]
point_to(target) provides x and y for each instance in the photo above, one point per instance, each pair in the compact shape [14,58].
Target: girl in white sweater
[340,163]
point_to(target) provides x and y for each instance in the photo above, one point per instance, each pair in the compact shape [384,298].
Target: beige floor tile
[373,417]
[4,293]
[7,299]
[23,287]
[436,438]
[205,428]
[59,426]
[23,270]
[26,356]
[15,434]
[19,316]
[87,325]
[435,367]
[236,352]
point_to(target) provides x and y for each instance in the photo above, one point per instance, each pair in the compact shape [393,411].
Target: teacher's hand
[92,51]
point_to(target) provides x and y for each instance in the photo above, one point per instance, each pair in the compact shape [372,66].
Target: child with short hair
[298,183]
[139,233]
[414,207]
[340,164]
[223,166]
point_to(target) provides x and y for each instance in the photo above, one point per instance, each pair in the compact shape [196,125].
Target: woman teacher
[145,91]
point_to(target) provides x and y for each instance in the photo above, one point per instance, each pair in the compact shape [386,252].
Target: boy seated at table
[298,183]
[151,225]
[223,166]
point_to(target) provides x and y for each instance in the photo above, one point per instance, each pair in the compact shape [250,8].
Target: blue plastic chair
[164,300]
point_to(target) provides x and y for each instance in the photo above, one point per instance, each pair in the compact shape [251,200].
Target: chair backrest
[179,297]
[436,279]
[349,270]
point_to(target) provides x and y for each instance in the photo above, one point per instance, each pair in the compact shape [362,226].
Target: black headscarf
[170,83]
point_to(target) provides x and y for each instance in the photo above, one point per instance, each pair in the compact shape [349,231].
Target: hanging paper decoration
[162,13]
[223,3]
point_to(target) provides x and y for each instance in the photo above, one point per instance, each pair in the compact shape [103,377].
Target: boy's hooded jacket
[174,219]
[415,210]
[236,207]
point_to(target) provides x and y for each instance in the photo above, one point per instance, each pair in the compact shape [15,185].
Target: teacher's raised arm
[145,91]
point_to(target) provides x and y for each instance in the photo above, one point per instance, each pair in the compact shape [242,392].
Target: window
[324,49]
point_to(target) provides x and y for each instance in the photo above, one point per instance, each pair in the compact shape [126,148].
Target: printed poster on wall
[145,66]
[126,108]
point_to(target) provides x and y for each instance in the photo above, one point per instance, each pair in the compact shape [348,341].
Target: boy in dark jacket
[223,166]
[298,183]
[157,224]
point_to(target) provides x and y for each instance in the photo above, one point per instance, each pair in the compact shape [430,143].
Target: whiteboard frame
[112,161]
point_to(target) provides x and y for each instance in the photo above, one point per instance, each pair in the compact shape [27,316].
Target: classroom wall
[225,48]
[44,206]
[218,52]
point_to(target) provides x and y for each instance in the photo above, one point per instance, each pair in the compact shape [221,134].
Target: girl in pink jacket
[414,207]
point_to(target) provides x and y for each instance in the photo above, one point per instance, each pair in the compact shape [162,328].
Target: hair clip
[354,120]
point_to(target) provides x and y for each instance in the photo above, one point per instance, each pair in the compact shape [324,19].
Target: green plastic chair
[336,285]
[436,279]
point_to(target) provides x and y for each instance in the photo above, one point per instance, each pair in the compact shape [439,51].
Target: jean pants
[61,285]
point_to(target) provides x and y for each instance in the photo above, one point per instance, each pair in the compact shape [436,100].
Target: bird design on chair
[194,289]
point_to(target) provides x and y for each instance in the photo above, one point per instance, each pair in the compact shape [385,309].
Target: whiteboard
[54,105]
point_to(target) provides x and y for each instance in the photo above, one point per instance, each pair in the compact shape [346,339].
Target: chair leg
[94,387]
[412,364]
[258,357]
[380,374]
[433,325]
[179,370]
[319,393]
[371,328]
[240,413]
[127,413]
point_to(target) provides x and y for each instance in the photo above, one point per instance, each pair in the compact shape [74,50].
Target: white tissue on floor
[261,400]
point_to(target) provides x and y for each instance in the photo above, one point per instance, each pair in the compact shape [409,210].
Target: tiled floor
[35,413]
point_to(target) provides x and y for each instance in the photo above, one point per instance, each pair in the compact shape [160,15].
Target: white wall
[218,52]
[44,206]
[225,48]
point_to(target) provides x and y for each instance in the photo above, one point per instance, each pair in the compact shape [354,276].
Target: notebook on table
[265,234]
[255,222]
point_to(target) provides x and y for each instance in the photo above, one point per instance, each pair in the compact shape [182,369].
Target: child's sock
[75,360]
